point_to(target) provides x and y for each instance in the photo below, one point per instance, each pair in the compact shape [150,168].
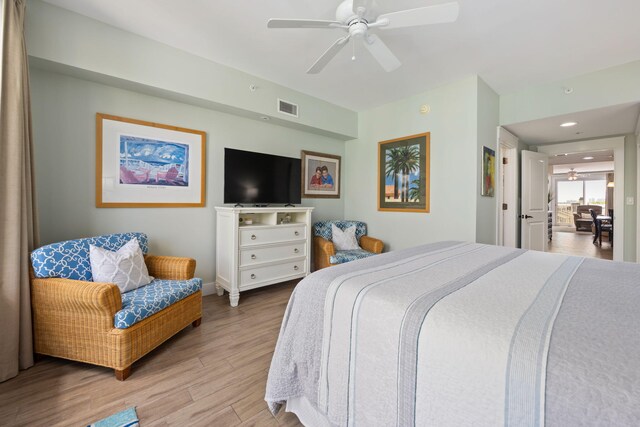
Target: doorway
[582,183]
[590,188]
[508,208]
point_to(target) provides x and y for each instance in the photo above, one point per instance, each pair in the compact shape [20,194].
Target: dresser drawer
[271,272]
[251,256]
[260,235]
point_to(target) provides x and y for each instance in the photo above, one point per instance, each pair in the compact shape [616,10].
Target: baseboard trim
[208,289]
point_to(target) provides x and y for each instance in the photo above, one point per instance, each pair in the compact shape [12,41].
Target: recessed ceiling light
[558,155]
[588,158]
[568,124]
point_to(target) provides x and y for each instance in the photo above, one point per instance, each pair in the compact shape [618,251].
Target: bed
[460,334]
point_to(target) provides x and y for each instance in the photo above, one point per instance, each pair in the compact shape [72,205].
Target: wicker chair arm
[171,268]
[65,295]
[323,250]
[371,244]
[324,245]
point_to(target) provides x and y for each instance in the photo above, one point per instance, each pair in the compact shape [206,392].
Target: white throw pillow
[344,240]
[125,267]
[586,215]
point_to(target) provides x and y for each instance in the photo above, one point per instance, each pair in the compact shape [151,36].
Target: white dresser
[258,247]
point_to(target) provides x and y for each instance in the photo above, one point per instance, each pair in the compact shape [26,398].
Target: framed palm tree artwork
[403,174]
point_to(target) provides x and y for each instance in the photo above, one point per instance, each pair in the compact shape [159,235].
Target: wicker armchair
[325,254]
[74,319]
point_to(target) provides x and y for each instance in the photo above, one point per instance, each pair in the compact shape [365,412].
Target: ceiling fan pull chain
[353,58]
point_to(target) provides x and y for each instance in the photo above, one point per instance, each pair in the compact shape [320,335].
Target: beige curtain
[18,222]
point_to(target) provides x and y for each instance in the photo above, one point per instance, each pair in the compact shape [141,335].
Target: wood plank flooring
[213,375]
[580,244]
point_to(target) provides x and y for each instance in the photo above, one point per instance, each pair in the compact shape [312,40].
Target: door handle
[525,216]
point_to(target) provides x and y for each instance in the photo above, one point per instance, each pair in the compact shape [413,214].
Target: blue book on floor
[126,418]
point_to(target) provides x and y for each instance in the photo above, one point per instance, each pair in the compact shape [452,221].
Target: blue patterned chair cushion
[323,228]
[345,256]
[70,259]
[152,298]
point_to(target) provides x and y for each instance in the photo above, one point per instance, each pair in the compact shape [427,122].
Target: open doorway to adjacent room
[585,152]
[581,188]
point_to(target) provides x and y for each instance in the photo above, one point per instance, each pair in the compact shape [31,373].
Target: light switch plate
[630,200]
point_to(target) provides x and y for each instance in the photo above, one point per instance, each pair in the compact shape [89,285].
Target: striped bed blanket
[463,334]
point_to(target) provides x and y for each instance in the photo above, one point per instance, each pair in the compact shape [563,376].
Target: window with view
[571,194]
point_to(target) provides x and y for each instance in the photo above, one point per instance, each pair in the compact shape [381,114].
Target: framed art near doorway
[404,174]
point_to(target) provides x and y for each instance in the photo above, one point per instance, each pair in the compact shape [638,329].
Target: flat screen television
[260,179]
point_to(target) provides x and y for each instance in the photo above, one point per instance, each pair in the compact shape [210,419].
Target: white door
[533,218]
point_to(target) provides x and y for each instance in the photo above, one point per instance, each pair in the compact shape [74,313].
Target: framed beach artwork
[144,164]
[320,175]
[403,174]
[488,171]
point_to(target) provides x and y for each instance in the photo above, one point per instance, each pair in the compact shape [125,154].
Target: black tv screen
[257,178]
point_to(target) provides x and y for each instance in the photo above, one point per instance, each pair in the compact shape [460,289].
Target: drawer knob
[295,267]
[295,251]
[253,237]
[253,276]
[253,256]
[297,233]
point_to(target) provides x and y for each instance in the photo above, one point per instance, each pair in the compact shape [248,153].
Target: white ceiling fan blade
[438,14]
[328,55]
[302,23]
[381,53]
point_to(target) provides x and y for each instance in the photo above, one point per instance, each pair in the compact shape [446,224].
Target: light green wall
[74,44]
[64,110]
[488,106]
[612,86]
[454,166]
[106,69]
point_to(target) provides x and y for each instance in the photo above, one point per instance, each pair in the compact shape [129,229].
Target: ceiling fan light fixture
[572,175]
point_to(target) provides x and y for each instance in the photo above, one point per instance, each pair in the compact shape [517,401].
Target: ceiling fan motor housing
[358,29]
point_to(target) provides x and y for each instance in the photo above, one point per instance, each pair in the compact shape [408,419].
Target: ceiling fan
[357,17]
[572,175]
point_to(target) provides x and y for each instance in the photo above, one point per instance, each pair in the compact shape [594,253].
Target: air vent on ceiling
[288,108]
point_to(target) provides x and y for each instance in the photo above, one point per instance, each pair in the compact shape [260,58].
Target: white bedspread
[453,334]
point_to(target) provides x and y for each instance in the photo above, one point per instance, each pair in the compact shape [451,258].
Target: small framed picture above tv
[320,175]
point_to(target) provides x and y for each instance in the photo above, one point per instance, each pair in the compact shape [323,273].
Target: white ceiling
[572,160]
[584,167]
[509,43]
[614,120]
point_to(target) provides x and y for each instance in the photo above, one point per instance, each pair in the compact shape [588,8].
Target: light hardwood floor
[213,375]
[580,244]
